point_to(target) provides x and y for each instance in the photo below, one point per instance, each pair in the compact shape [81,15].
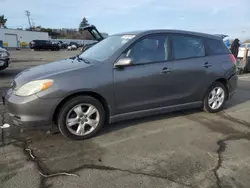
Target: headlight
[3,54]
[34,87]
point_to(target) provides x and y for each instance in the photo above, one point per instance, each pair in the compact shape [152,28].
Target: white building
[18,38]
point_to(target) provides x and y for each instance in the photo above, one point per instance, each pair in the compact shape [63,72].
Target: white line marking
[246,80]
[243,76]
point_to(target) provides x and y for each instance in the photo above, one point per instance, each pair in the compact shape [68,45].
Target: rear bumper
[232,85]
[31,111]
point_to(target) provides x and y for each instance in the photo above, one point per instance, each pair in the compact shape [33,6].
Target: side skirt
[155,111]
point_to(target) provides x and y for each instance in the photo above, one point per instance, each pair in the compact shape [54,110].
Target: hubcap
[216,98]
[82,119]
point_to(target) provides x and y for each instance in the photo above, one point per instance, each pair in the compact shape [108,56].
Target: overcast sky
[113,16]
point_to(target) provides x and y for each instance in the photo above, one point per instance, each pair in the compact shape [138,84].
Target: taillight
[232,58]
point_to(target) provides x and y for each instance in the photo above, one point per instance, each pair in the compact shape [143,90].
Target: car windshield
[106,48]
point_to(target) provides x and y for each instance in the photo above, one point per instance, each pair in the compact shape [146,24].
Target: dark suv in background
[44,45]
[125,76]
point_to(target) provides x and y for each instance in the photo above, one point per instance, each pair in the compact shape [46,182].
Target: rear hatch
[93,31]
[36,43]
[221,35]
[32,43]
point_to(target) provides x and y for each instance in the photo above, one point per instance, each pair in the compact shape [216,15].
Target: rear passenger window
[187,47]
[216,47]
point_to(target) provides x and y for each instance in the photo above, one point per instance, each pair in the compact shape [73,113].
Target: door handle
[207,65]
[165,70]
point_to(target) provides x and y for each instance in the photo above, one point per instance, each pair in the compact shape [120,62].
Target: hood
[47,71]
[2,49]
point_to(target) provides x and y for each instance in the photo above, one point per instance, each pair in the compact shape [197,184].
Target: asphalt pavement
[181,149]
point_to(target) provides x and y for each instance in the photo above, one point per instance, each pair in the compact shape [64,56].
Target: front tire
[81,117]
[215,98]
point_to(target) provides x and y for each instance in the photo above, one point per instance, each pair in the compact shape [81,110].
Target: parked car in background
[72,47]
[125,76]
[56,43]
[87,46]
[242,50]
[4,58]
[63,45]
[44,45]
[243,67]
[74,43]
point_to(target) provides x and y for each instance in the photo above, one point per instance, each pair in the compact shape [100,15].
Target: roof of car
[146,32]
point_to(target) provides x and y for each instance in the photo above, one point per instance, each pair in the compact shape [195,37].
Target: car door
[49,45]
[147,83]
[44,45]
[190,68]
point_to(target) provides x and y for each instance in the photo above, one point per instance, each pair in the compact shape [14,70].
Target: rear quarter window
[216,47]
[185,46]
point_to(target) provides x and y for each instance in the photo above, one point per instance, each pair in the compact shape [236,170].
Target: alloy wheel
[216,98]
[82,119]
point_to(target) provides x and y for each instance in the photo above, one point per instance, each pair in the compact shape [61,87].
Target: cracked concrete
[223,146]
[183,149]
[15,170]
[227,166]
[46,173]
[163,168]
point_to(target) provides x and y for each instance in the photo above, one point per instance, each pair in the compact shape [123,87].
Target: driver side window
[149,50]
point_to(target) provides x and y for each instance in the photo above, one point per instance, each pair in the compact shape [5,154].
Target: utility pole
[33,23]
[27,13]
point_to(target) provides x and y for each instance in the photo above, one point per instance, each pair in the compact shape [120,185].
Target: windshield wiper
[82,59]
[79,59]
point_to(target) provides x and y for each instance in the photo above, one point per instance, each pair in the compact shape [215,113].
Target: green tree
[49,30]
[83,23]
[3,21]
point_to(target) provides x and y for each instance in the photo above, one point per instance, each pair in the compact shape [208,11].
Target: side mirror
[123,62]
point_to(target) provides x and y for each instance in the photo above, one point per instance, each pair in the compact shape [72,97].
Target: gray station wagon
[125,76]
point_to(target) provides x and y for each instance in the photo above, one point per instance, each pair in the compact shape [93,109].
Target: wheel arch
[224,81]
[95,95]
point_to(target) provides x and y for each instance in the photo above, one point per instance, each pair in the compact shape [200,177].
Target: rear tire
[75,115]
[215,98]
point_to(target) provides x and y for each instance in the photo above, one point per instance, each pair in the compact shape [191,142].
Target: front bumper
[30,111]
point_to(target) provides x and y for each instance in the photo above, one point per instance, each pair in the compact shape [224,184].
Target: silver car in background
[4,58]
